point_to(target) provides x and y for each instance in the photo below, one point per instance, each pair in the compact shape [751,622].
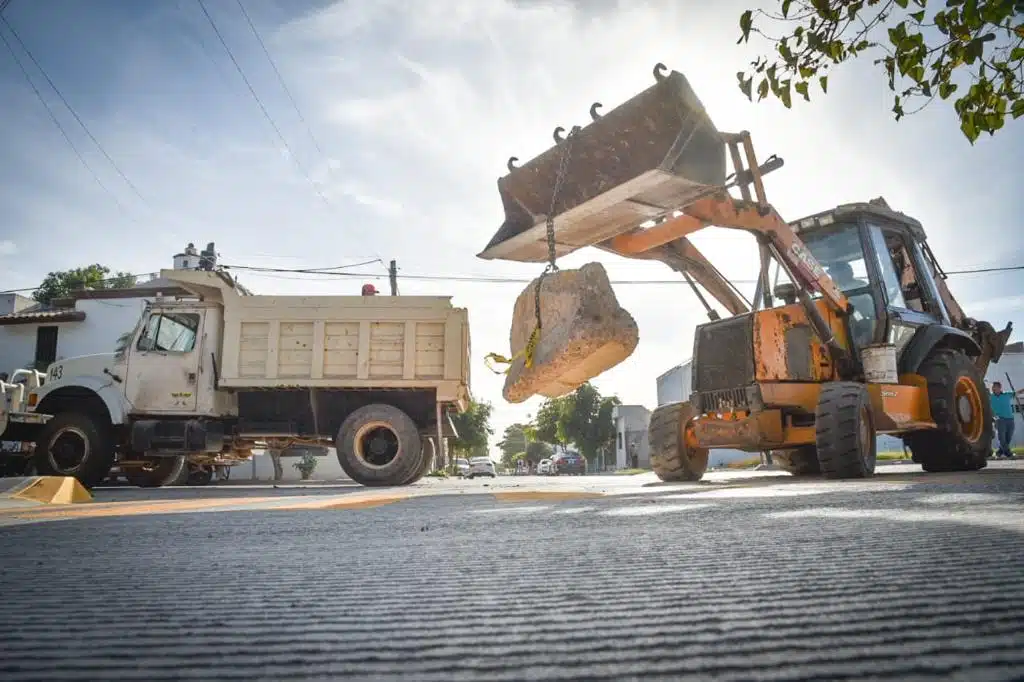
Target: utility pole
[393,277]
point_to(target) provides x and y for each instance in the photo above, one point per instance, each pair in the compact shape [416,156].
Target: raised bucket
[648,156]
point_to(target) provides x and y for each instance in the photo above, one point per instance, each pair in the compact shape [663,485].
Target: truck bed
[368,342]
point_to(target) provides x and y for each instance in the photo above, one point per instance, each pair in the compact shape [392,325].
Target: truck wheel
[802,461]
[379,445]
[199,476]
[157,472]
[845,431]
[427,453]
[73,444]
[962,413]
[671,459]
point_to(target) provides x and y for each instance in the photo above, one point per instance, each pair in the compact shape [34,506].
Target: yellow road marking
[358,503]
[134,508]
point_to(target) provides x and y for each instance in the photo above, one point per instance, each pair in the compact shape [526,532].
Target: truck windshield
[175,332]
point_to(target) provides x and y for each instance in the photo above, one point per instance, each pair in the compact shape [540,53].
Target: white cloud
[417,112]
[8,248]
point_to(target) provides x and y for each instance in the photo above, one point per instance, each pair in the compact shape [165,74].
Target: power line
[280,78]
[56,122]
[71,109]
[259,102]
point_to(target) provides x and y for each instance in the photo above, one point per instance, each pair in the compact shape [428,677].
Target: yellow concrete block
[45,490]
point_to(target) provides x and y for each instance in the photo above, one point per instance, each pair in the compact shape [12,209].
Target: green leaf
[946,89]
[823,82]
[762,89]
[785,95]
[1017,54]
[917,16]
[746,24]
[902,3]
[969,128]
[744,83]
[1018,109]
[801,88]
[785,7]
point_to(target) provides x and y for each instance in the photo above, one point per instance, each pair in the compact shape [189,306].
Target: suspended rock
[584,332]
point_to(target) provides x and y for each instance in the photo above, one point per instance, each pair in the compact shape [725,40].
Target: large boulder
[584,332]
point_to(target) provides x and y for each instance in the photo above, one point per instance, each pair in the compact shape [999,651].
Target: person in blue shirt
[1002,411]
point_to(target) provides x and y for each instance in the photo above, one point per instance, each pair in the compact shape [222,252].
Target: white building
[632,448]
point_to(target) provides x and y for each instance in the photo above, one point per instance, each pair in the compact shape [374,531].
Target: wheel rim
[377,444]
[68,450]
[969,412]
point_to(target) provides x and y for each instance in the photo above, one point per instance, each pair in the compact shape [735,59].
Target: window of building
[46,346]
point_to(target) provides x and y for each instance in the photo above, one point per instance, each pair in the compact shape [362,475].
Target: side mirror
[786,291]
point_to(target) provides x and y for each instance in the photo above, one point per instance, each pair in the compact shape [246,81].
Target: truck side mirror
[786,291]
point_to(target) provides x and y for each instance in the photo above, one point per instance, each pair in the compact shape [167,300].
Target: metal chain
[552,266]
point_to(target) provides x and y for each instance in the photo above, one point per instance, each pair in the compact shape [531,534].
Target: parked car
[462,466]
[571,464]
[481,466]
[545,467]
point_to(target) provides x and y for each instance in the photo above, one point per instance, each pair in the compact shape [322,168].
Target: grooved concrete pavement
[902,577]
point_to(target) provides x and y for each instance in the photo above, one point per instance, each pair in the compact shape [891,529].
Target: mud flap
[653,154]
[584,332]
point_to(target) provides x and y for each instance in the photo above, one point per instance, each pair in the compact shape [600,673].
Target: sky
[403,121]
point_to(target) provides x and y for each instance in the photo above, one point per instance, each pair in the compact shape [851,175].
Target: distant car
[545,467]
[462,466]
[571,464]
[481,466]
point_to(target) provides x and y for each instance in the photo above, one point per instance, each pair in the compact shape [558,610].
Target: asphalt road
[906,576]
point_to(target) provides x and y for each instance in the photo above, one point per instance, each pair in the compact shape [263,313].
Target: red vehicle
[570,463]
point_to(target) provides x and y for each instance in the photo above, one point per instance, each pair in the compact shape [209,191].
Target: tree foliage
[474,428]
[61,284]
[537,450]
[513,440]
[927,50]
[584,418]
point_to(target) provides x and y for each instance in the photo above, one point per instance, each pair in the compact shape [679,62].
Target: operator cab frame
[878,258]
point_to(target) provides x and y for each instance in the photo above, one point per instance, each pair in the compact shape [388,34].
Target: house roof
[40,315]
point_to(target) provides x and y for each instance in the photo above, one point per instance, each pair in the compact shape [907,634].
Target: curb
[44,490]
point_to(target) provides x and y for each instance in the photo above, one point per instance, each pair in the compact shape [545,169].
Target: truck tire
[670,458]
[198,476]
[74,444]
[159,472]
[379,445]
[962,413]
[427,461]
[845,431]
[801,461]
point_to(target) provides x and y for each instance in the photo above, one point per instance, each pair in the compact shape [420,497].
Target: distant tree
[537,450]
[513,440]
[474,428]
[928,50]
[587,420]
[60,284]
[549,419]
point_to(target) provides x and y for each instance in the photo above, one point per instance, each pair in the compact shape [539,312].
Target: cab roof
[876,208]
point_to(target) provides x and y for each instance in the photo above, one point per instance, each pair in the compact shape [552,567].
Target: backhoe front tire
[959,401]
[801,461]
[845,431]
[671,459]
[379,445]
[75,444]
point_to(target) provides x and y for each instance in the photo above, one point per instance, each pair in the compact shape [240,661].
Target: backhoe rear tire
[75,444]
[379,445]
[671,459]
[801,461]
[845,431]
[959,401]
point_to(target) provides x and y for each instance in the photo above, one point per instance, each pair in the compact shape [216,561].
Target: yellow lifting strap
[527,353]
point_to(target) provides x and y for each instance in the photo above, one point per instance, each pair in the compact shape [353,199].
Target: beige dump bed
[364,342]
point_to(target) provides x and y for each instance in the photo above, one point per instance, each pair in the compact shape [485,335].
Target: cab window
[170,332]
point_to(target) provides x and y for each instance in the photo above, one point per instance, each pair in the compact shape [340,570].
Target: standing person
[1002,411]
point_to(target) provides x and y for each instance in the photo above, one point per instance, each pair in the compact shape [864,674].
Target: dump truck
[206,379]
[18,426]
[852,330]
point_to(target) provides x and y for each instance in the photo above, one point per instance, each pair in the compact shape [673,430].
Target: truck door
[163,367]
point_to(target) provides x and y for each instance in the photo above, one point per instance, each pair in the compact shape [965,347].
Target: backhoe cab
[860,337]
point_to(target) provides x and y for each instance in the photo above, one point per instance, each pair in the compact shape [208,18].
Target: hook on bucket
[558,134]
[659,71]
[593,110]
[511,165]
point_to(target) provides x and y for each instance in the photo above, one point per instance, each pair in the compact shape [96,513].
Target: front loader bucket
[653,154]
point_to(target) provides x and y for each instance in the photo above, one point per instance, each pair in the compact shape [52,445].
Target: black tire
[670,458]
[960,441]
[199,476]
[160,471]
[801,461]
[379,445]
[73,444]
[845,431]
[426,463]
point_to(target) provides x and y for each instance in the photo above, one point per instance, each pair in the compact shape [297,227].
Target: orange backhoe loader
[861,337]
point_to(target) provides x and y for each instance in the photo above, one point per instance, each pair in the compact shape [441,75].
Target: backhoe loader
[857,333]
